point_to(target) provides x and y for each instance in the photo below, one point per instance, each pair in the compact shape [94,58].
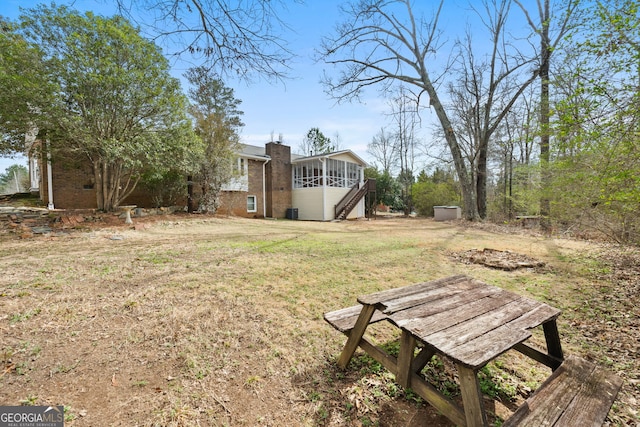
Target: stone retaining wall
[27,221]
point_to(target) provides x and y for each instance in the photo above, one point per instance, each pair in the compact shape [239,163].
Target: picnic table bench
[471,323]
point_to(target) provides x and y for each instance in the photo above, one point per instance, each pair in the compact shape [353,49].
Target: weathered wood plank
[480,325]
[421,360]
[591,406]
[538,356]
[446,406]
[443,404]
[355,335]
[547,404]
[395,293]
[548,408]
[379,355]
[472,323]
[345,319]
[430,295]
[424,327]
[452,302]
[483,348]
[552,337]
[405,358]
[487,347]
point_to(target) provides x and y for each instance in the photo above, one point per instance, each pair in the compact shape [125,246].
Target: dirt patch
[503,260]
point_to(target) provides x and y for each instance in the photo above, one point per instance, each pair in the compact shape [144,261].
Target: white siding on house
[308,201]
[34,174]
[318,204]
[358,211]
[344,156]
[333,196]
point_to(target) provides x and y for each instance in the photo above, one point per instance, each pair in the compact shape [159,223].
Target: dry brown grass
[218,321]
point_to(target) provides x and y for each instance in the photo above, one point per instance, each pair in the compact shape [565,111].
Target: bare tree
[383,43]
[381,46]
[485,91]
[522,127]
[404,113]
[383,150]
[514,148]
[238,38]
[550,37]
[337,141]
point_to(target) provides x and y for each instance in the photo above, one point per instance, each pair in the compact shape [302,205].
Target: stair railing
[343,202]
[349,201]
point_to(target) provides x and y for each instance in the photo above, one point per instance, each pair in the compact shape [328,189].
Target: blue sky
[290,108]
[293,107]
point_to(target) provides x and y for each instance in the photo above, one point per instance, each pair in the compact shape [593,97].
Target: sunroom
[321,182]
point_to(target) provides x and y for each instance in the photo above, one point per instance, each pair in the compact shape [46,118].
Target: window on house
[252,206]
[240,175]
[339,173]
[307,174]
[353,174]
[335,173]
[240,167]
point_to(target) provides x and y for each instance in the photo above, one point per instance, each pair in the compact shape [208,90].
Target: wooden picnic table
[460,318]
[472,323]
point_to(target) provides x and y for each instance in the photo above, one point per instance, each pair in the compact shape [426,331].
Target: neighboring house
[269,182]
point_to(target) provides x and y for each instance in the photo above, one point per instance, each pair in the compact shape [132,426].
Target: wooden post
[356,334]
[471,397]
[405,358]
[422,359]
[551,335]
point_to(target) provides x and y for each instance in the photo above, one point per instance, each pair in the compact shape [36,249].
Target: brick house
[270,182]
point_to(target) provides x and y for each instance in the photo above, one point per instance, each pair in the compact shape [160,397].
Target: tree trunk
[190,206]
[481,179]
[470,207]
[545,207]
[110,187]
[511,183]
[98,184]
[107,184]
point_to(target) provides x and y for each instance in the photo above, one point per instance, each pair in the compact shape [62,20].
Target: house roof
[329,155]
[253,152]
[259,153]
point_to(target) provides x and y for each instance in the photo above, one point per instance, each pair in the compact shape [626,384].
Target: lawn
[189,321]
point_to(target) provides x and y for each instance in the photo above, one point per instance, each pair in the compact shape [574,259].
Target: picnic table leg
[551,335]
[422,359]
[471,397]
[356,335]
[405,359]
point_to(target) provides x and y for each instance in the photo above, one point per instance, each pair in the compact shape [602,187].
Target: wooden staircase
[351,199]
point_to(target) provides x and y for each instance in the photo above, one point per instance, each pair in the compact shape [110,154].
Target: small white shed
[446,213]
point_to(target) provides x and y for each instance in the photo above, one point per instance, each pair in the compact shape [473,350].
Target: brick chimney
[278,180]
